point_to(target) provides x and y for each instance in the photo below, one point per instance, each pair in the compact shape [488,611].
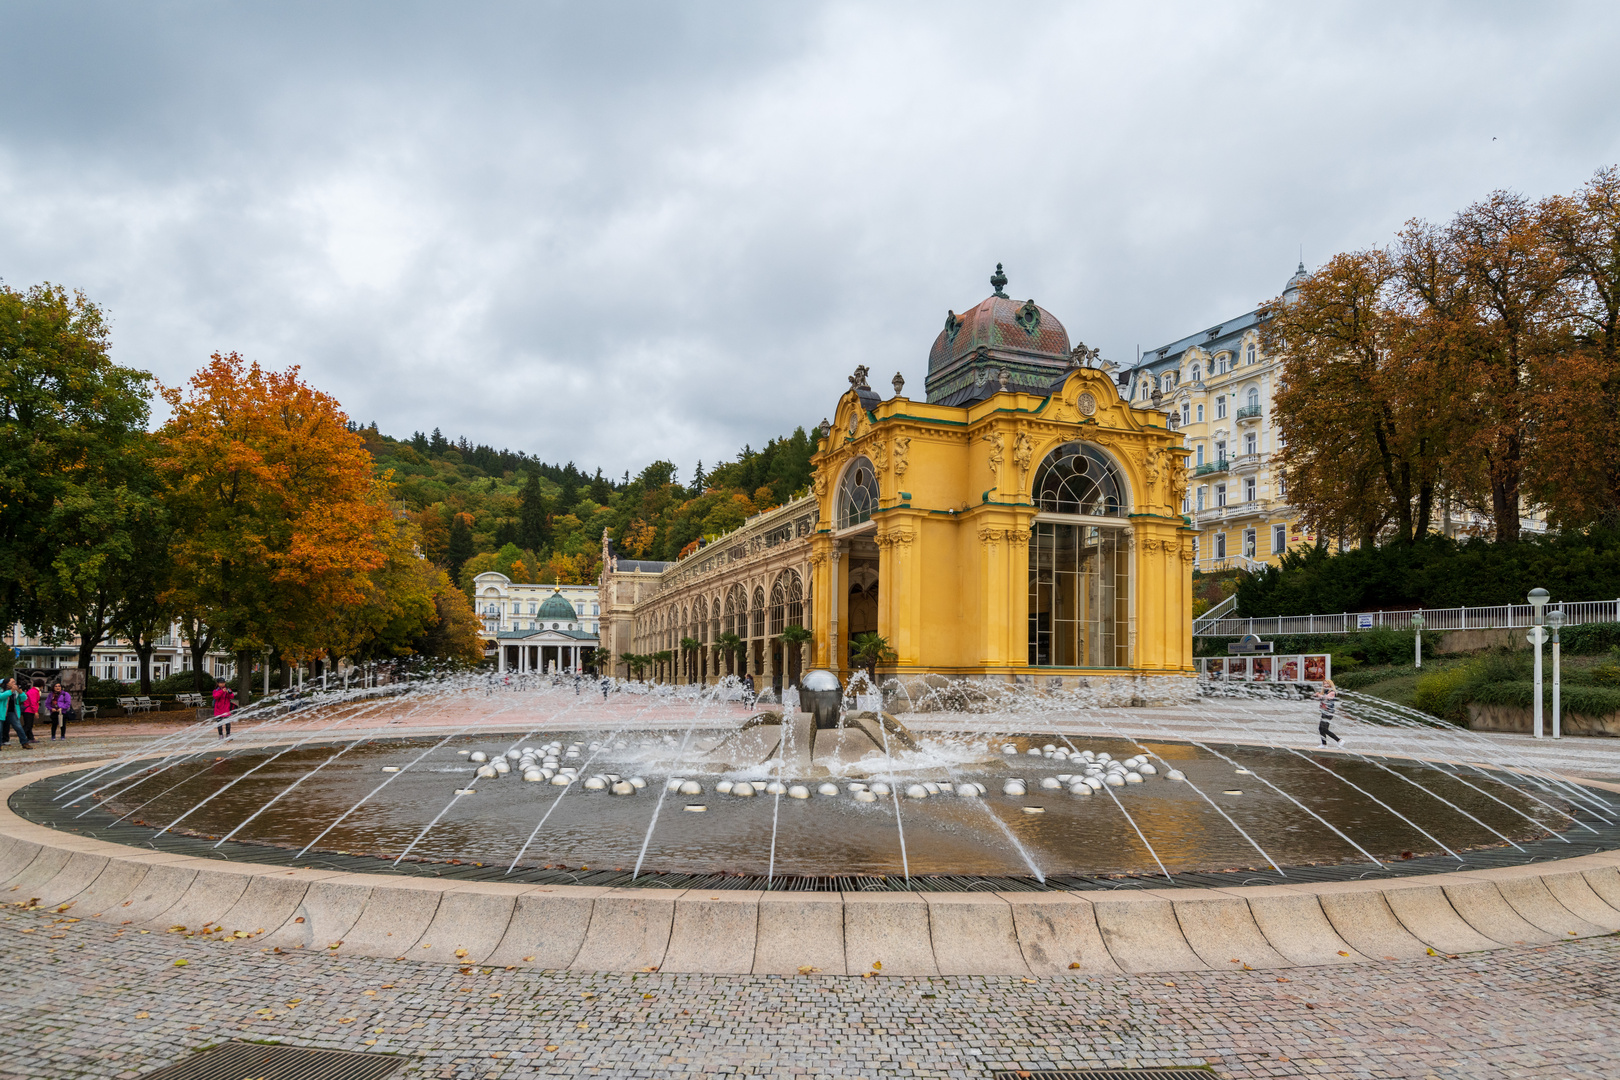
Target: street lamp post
[1555,620]
[1417,638]
[1538,600]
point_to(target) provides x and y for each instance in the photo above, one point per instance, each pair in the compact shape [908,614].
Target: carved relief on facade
[902,444]
[1023,450]
[880,455]
[998,452]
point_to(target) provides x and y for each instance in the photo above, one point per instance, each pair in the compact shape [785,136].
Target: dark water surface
[944,834]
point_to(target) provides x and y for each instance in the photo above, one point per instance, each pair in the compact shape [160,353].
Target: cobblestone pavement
[88,999]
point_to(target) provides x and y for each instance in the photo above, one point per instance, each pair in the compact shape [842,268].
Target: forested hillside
[481,509]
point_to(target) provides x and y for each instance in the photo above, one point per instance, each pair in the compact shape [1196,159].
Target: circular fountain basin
[1232,807]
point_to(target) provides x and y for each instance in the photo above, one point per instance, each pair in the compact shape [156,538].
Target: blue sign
[1364,622]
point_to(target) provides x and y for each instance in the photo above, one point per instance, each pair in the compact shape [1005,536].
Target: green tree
[689,648]
[534,515]
[461,543]
[70,420]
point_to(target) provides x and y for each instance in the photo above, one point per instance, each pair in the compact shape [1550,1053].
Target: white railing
[1505,617]
[1215,564]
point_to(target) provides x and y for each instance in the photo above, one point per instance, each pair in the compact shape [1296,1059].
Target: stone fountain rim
[907,933]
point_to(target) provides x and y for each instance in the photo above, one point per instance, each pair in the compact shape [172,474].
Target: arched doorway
[1080,561]
[856,532]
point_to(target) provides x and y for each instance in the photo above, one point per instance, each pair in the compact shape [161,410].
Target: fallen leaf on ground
[181,963]
[143,1016]
[459,952]
[1343,953]
[528,959]
[346,1019]
[1075,966]
[371,1042]
[806,969]
[370,993]
[551,1048]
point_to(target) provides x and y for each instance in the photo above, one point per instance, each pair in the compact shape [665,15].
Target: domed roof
[557,609]
[1001,328]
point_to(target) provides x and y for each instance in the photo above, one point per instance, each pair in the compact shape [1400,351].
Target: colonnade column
[500,652]
[770,668]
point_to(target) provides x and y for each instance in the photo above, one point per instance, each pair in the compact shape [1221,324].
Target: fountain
[979,782]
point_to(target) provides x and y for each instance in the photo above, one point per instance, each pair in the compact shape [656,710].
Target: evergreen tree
[698,479]
[438,444]
[601,489]
[534,513]
[419,442]
[461,543]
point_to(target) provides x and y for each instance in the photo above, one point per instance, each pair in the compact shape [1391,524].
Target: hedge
[1436,572]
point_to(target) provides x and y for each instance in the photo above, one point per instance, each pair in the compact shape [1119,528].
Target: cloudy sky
[618,232]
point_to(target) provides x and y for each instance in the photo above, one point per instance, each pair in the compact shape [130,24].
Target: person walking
[224,699]
[1328,701]
[11,699]
[30,705]
[58,703]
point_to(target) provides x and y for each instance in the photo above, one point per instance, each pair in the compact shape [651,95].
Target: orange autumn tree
[279,517]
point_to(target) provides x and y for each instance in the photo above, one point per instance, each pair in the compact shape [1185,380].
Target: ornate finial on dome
[899,383]
[1005,377]
[998,282]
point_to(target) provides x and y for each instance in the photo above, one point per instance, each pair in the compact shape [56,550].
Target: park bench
[136,704]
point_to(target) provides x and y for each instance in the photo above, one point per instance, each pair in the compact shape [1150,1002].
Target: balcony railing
[1505,617]
[1218,465]
[1249,412]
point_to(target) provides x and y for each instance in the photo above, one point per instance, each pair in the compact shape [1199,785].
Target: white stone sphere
[1079,789]
[1093,782]
[724,787]
[1051,783]
[501,766]
[880,789]
[596,783]
[776,787]
[533,775]
[487,772]
[463,753]
[638,782]
[1013,787]
[1175,774]
[691,787]
[1009,749]
[1087,755]
[1105,756]
[855,785]
[799,791]
[1034,752]
[916,791]
[674,784]
[624,787]
[561,780]
[478,755]
[1133,778]
[1147,769]
[865,796]
[1064,778]
[742,789]
[1050,748]
[827,789]
[930,787]
[513,754]
[968,791]
[1115,780]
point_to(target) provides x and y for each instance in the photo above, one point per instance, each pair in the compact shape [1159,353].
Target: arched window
[1252,354]
[1077,478]
[778,606]
[714,619]
[756,621]
[1198,373]
[795,599]
[1254,395]
[857,493]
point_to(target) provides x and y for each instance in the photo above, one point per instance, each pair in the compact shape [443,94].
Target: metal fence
[1505,617]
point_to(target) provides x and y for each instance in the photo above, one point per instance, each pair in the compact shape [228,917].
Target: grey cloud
[614,233]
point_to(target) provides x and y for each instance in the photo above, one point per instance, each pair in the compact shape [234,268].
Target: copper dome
[1000,328]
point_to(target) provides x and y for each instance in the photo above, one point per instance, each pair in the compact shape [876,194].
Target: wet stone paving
[85,998]
[88,999]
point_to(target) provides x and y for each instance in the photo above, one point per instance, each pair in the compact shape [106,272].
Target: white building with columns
[537,627]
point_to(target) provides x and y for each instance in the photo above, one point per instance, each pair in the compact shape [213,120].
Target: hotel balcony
[1249,412]
[1245,463]
[1219,465]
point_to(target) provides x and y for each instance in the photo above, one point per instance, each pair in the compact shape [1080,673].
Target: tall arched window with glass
[857,494]
[1079,562]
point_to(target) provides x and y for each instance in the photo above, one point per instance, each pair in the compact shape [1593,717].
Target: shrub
[1437,693]
[1590,639]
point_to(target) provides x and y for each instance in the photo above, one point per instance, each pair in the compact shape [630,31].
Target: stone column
[500,652]
[770,667]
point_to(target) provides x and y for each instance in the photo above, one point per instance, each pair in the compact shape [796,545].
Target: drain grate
[1103,1074]
[270,1061]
